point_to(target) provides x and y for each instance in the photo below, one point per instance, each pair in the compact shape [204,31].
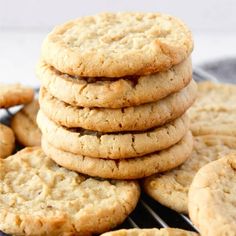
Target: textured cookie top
[150,232]
[118,44]
[40,198]
[212,204]
[214,111]
[216,97]
[171,188]
[14,94]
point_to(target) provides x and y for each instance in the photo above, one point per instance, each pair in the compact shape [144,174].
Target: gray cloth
[224,70]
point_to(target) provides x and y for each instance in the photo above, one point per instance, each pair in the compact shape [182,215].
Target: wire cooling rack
[149,213]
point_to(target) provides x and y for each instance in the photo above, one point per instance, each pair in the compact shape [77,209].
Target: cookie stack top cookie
[118,44]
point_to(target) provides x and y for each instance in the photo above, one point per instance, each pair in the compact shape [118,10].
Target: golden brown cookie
[212,194]
[114,93]
[132,168]
[141,117]
[150,232]
[113,145]
[118,44]
[25,127]
[40,198]
[214,111]
[7,141]
[15,94]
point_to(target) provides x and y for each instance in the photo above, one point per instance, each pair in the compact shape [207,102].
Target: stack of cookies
[115,89]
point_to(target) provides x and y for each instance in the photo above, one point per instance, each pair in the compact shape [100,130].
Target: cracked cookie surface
[113,145]
[212,206]
[140,117]
[131,168]
[40,198]
[118,44]
[114,93]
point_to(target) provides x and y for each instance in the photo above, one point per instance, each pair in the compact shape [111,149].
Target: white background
[213,15]
[24,24]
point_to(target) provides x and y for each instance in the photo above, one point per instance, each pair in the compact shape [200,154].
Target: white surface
[20,51]
[200,15]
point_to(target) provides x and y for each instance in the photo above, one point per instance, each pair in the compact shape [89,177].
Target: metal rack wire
[149,213]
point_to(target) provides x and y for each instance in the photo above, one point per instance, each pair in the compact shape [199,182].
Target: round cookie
[171,188]
[15,94]
[214,111]
[118,44]
[141,117]
[212,198]
[112,146]
[40,198]
[132,168]
[25,127]
[150,232]
[110,93]
[7,141]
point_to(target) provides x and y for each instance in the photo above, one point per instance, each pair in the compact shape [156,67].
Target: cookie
[7,141]
[111,93]
[24,125]
[212,194]
[118,44]
[40,198]
[132,168]
[171,188]
[114,145]
[141,117]
[15,94]
[214,112]
[150,232]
